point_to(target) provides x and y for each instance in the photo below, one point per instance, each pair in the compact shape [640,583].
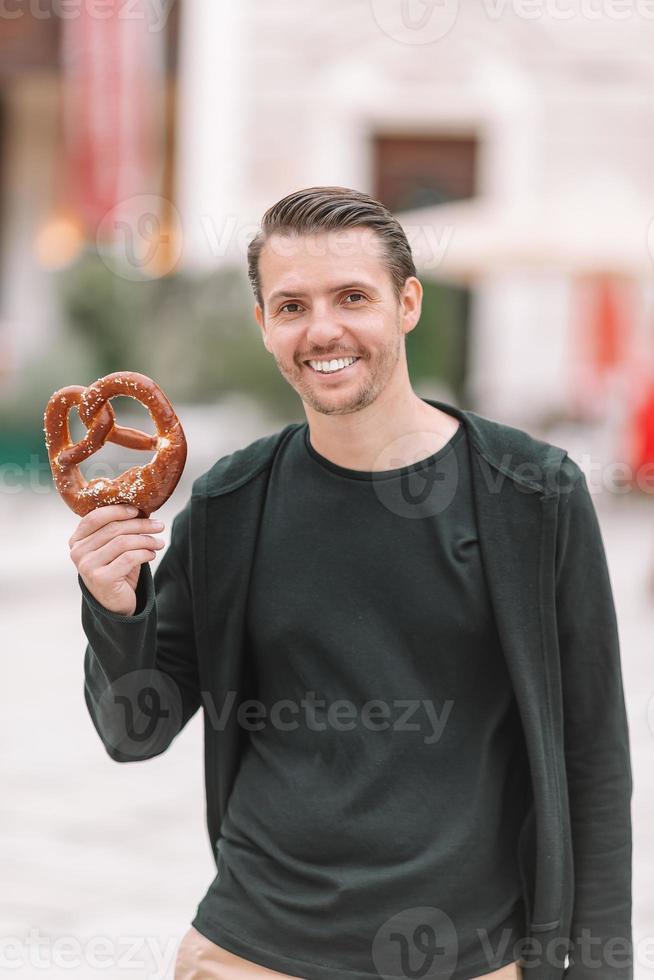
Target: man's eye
[285,307]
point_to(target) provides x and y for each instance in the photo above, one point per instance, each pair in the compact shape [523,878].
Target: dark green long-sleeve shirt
[368,600]
[549,587]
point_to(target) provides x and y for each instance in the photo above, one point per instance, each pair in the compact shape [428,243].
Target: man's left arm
[597,748]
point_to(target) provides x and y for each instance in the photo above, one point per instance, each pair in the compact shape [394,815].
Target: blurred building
[86,124]
[544,117]
[515,111]
[29,110]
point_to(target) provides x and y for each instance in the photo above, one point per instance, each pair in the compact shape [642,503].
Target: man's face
[330,296]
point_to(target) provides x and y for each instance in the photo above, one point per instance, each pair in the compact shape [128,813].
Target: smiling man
[390,552]
[334,302]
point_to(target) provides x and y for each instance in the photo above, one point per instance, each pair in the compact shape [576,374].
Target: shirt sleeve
[141,682]
[597,748]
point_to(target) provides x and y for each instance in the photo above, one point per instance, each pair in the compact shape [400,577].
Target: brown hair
[321,209]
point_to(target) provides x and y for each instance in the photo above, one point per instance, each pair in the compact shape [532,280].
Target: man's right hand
[108,549]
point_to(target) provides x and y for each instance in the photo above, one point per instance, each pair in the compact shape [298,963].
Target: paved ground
[103,864]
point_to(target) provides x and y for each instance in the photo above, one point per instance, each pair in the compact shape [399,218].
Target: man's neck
[395,430]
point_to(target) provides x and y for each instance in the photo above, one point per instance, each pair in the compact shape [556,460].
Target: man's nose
[323,328]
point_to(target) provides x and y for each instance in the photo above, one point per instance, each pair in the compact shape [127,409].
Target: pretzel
[146,487]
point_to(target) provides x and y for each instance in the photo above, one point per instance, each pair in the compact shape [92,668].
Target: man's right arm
[141,682]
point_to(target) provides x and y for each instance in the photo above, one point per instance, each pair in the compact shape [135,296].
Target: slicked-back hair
[315,210]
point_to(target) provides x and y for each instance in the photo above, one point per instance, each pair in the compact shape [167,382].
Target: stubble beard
[378,374]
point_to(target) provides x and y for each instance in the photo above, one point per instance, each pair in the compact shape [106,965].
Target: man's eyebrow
[286,293]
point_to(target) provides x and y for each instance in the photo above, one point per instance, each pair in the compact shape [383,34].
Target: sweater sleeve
[141,681]
[596,745]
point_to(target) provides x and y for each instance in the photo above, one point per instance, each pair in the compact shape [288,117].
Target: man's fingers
[123,565]
[125,543]
[97,518]
[95,540]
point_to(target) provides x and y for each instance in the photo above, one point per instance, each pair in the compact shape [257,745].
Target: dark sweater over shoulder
[422,656]
[141,677]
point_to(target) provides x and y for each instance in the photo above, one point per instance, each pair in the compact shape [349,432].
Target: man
[398,619]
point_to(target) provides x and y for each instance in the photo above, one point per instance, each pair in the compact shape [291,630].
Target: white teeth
[328,366]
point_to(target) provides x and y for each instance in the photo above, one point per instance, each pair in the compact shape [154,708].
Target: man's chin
[338,401]
[335,403]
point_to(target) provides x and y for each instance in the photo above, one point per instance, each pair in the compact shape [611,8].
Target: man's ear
[411,303]
[258,314]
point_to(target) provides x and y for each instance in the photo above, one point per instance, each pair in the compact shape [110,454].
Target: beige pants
[200,959]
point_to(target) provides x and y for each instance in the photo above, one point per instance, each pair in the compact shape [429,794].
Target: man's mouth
[333,366]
